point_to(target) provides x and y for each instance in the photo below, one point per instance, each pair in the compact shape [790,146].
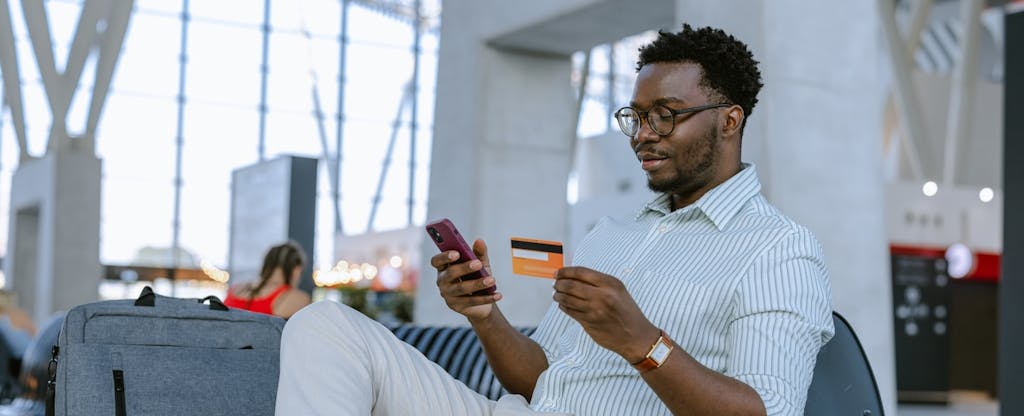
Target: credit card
[538,258]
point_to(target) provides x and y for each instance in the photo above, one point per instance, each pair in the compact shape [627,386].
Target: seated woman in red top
[275,292]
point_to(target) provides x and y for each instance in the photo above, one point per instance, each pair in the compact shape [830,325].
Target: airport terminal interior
[171,143]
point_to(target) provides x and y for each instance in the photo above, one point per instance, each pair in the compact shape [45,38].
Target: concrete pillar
[503,128]
[500,161]
[53,256]
[816,136]
[272,202]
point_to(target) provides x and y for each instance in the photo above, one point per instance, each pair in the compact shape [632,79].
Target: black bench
[843,382]
[458,351]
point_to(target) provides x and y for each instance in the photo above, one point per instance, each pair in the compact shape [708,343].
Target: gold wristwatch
[657,355]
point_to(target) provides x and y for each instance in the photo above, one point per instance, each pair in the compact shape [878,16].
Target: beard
[697,171]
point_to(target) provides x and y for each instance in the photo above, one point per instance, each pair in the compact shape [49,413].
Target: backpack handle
[148,298]
[215,303]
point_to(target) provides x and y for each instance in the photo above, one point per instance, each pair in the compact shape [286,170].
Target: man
[708,302]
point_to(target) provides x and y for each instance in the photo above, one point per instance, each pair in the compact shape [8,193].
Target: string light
[345,272]
[213,272]
[369,271]
[355,274]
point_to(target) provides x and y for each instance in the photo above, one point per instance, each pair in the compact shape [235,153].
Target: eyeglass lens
[629,121]
[659,118]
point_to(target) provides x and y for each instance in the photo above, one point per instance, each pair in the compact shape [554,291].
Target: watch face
[660,352]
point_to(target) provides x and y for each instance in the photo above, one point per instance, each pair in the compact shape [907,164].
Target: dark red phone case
[446,237]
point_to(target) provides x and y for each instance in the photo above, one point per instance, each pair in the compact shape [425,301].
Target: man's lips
[650,161]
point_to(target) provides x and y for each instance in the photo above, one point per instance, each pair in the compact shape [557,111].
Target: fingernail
[453,255]
[475,265]
[488,281]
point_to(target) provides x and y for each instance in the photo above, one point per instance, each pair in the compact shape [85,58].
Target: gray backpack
[159,355]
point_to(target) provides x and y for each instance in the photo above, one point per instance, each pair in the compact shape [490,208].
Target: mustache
[641,152]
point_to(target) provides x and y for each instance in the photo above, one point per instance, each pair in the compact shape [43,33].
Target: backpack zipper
[51,384]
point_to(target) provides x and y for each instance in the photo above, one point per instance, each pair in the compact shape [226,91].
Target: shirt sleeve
[783,317]
[548,331]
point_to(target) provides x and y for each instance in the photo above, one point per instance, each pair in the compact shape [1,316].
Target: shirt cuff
[776,394]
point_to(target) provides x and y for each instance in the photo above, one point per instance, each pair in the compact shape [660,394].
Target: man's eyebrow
[662,100]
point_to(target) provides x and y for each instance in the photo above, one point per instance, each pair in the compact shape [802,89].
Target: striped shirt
[736,284]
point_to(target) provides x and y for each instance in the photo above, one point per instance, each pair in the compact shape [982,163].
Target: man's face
[685,160]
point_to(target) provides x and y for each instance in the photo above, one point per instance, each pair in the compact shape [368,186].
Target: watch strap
[649,363]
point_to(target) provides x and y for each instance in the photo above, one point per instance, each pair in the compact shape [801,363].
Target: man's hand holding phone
[467,297]
[463,272]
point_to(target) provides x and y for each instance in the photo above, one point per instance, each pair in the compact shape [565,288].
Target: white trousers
[336,361]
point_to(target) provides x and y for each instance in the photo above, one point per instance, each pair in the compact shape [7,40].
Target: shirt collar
[721,203]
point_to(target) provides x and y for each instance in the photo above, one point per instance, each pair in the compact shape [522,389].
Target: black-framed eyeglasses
[661,119]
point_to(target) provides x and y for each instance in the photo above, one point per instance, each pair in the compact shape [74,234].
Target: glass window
[136,141]
[159,6]
[149,60]
[224,64]
[137,132]
[367,26]
[375,88]
[227,12]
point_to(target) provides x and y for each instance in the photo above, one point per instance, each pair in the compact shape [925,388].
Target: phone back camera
[435,235]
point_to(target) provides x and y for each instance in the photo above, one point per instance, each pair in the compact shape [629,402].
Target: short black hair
[728,67]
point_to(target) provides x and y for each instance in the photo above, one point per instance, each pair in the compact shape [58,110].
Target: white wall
[952,215]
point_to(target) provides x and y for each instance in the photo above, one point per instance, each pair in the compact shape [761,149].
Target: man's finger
[480,249]
[573,313]
[442,260]
[573,288]
[461,270]
[477,300]
[581,274]
[448,283]
[568,301]
[471,286]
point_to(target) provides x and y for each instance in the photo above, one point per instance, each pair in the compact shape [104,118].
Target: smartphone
[447,238]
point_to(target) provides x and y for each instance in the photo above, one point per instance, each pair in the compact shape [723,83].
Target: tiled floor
[962,403]
[957,409]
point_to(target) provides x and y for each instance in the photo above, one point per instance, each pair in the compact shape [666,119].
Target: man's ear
[733,121]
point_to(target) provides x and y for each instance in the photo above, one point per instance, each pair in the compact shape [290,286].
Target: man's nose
[644,134]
